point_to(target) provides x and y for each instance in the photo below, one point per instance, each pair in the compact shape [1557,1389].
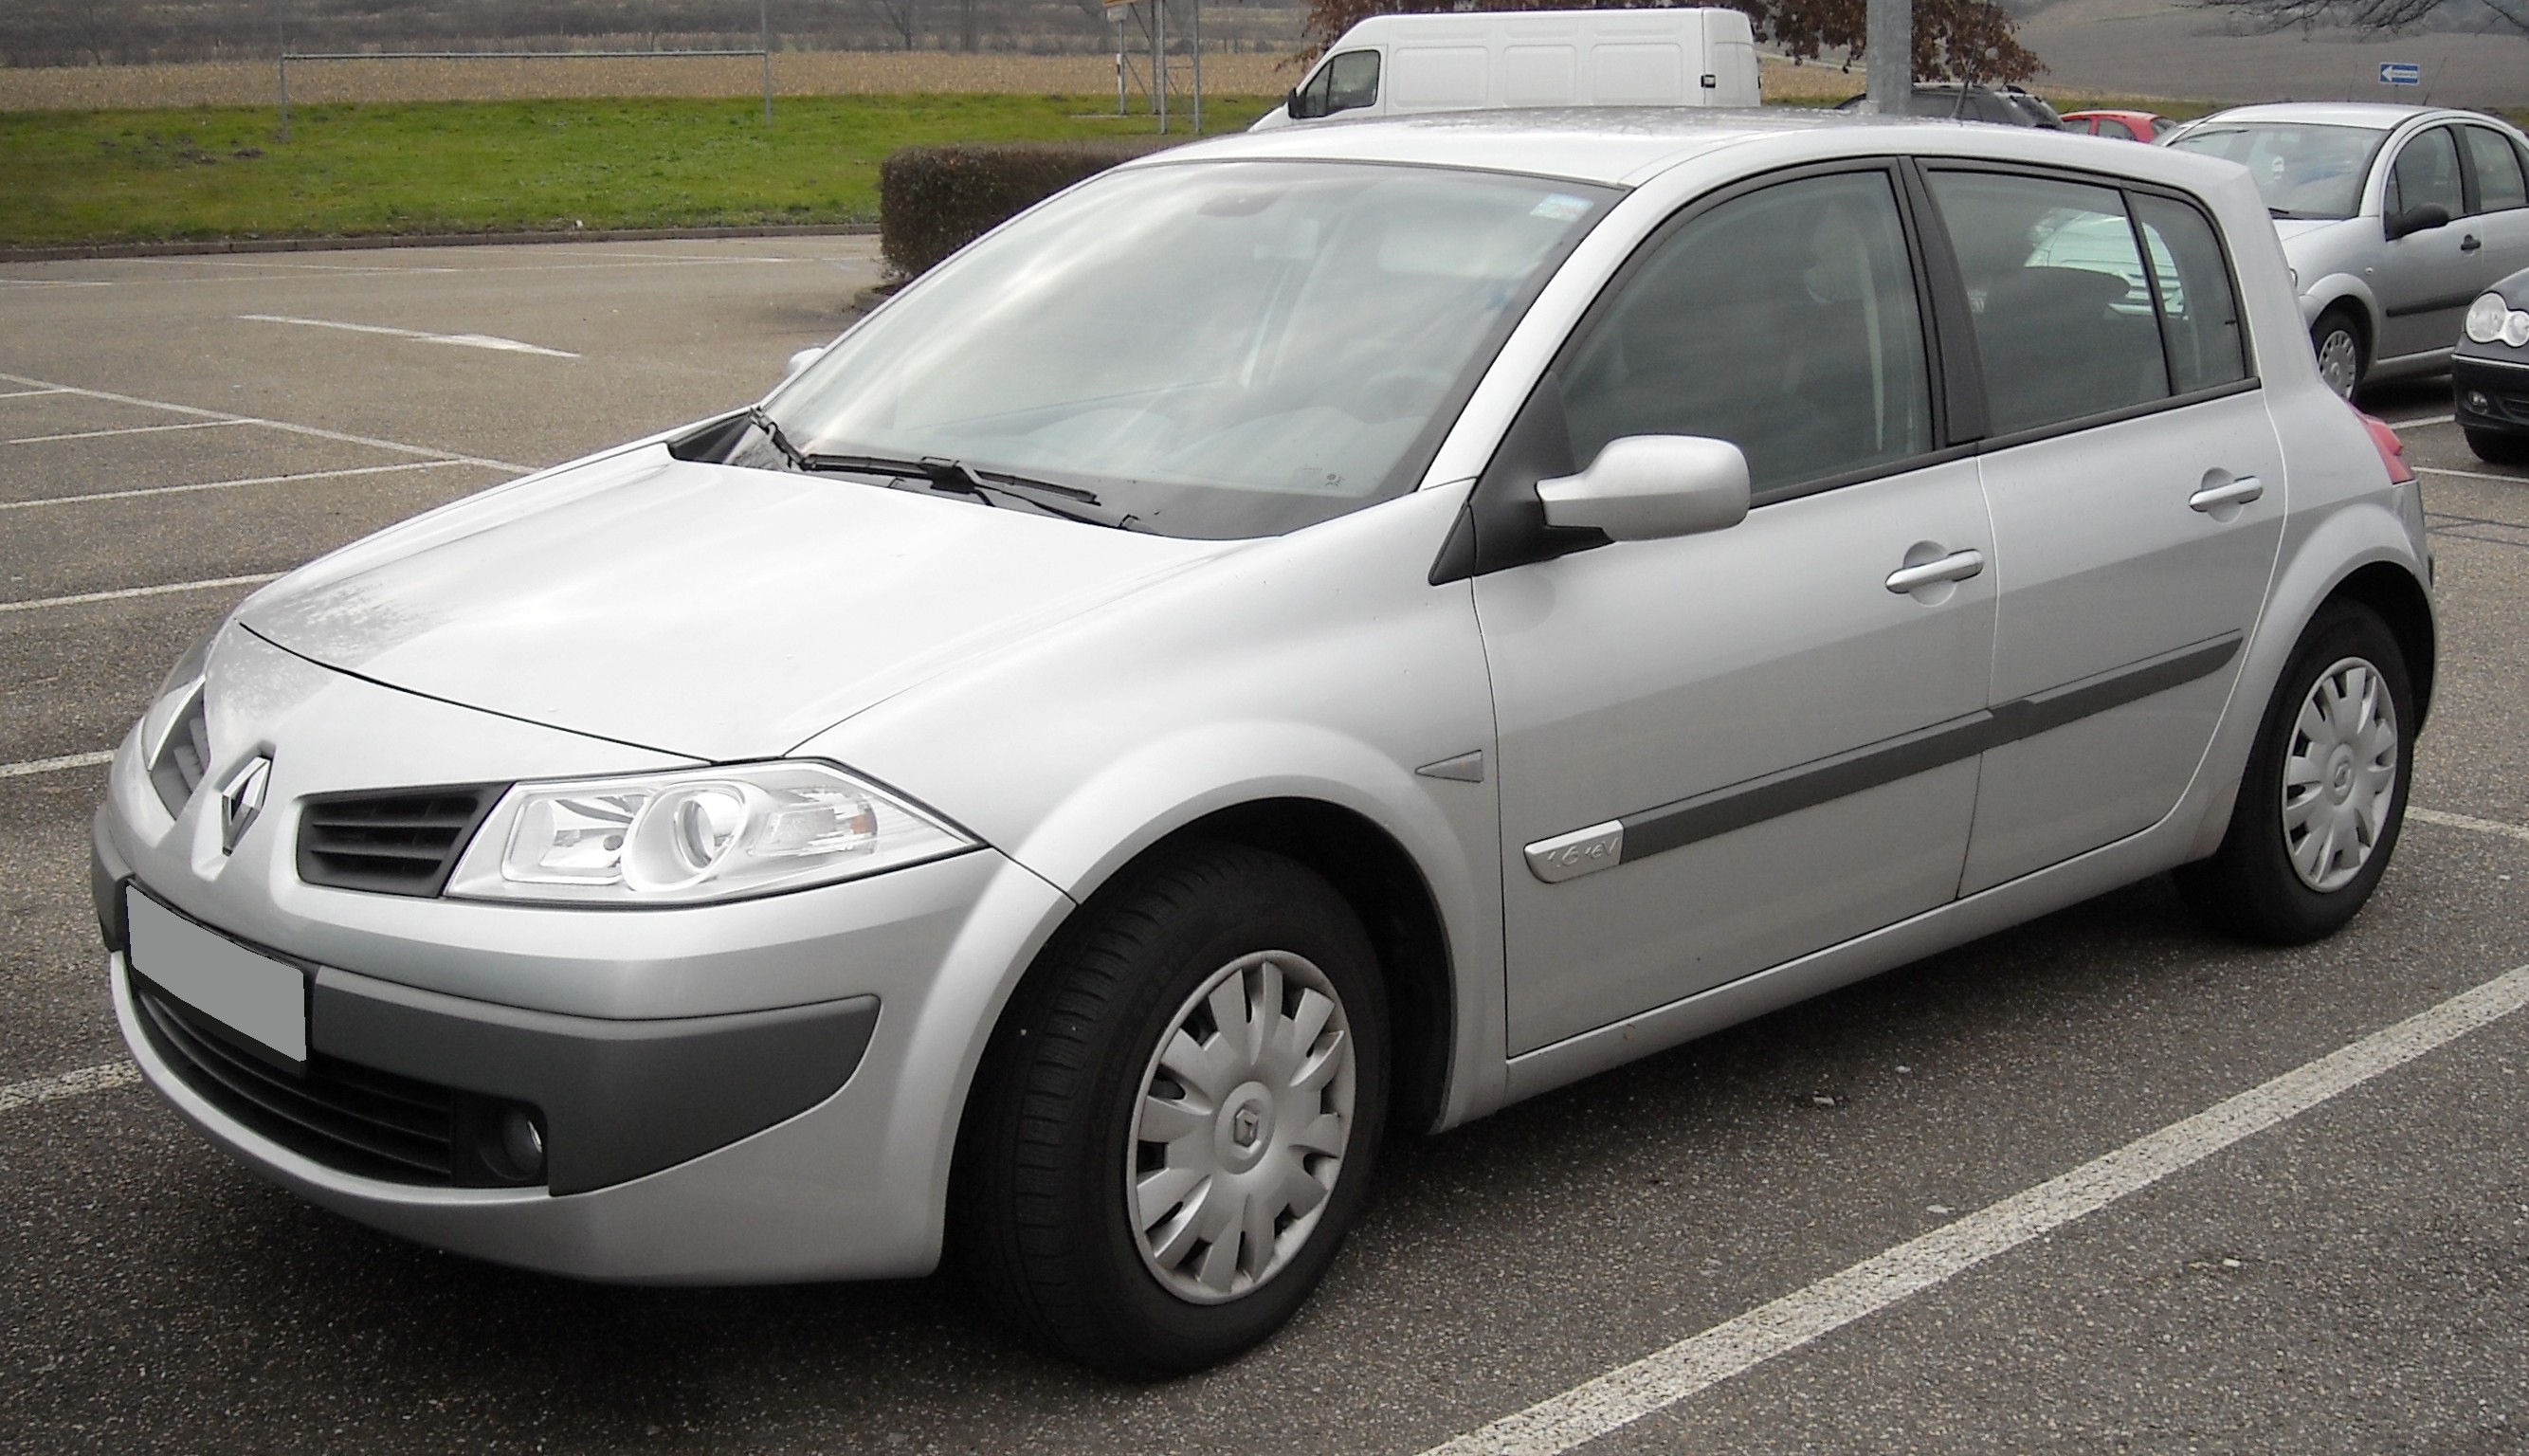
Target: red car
[2129,126]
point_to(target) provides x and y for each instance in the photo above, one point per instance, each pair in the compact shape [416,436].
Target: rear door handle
[2237,492]
[2469,244]
[1958,566]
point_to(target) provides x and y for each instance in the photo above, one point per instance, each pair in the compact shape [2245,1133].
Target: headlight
[2491,318]
[692,836]
[189,668]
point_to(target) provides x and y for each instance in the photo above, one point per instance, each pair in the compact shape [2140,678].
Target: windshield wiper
[940,472]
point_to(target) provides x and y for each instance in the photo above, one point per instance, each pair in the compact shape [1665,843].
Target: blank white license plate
[260,998]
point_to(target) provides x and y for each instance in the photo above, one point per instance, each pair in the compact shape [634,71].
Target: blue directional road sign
[2401,73]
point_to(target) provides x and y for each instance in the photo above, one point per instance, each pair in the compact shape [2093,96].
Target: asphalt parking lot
[2340,1262]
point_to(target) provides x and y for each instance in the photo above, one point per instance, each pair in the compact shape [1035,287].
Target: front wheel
[1177,1120]
[2325,792]
[2338,340]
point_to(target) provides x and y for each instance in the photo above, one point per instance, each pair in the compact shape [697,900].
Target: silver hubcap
[2340,361]
[2340,777]
[1240,1129]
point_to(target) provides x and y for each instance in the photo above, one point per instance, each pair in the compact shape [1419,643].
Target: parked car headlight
[2491,317]
[682,837]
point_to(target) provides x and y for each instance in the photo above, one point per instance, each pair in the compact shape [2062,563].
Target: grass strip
[213,173]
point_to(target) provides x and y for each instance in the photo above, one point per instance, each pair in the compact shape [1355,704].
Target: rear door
[2138,497]
[2499,202]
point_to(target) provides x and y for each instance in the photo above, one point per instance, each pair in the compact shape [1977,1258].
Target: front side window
[2302,171]
[2111,127]
[2063,316]
[2498,182]
[2426,174]
[1784,321]
[1211,350]
[1352,81]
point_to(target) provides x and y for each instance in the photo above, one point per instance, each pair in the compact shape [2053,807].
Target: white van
[1398,65]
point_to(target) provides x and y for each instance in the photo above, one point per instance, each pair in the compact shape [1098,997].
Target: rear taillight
[2392,451]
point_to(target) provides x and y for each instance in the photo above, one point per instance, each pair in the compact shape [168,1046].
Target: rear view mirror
[2417,220]
[1648,487]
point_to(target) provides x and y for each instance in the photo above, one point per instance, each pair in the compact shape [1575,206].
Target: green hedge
[933,200]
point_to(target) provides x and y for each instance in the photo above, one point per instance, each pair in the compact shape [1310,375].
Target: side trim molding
[1674,825]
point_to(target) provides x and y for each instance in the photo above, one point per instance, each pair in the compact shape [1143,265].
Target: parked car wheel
[2498,450]
[2324,792]
[1179,1119]
[2342,359]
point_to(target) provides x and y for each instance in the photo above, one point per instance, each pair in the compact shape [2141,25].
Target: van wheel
[1177,1121]
[2325,792]
[2338,338]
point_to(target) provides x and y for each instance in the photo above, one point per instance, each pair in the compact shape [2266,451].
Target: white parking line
[32,766]
[175,490]
[2469,475]
[311,431]
[2420,421]
[27,394]
[86,1080]
[365,268]
[466,341]
[1661,1379]
[37,604]
[193,424]
[54,283]
[2461,821]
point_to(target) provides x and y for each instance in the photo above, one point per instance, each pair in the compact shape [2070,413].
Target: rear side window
[2427,175]
[2498,185]
[2063,316]
[1784,321]
[2111,127]
[2199,314]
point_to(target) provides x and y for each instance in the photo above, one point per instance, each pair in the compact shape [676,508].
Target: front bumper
[2489,392]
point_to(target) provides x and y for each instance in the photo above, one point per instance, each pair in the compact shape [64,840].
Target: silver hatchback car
[2395,219]
[1307,634]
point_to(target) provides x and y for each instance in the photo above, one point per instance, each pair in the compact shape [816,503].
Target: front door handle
[1958,566]
[2236,492]
[2469,244]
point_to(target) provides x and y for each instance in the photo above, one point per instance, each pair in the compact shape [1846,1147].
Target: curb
[423,239]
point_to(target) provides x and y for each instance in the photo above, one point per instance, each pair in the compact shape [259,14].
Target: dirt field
[798,72]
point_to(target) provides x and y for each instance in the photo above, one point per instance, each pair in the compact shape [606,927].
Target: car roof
[2376,116]
[1613,146]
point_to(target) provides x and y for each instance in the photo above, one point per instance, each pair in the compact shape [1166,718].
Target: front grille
[402,842]
[349,1117]
[182,757]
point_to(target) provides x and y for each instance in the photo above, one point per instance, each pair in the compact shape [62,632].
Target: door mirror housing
[2418,220]
[801,360]
[1649,487]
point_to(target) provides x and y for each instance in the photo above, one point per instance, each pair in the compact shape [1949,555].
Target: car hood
[2289,228]
[702,609]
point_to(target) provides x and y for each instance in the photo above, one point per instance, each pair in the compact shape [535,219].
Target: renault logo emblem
[243,799]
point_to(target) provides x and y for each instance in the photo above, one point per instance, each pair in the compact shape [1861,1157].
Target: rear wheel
[2336,338]
[1177,1121]
[2325,792]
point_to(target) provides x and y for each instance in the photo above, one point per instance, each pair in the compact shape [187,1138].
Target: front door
[2426,280]
[2137,492]
[1722,751]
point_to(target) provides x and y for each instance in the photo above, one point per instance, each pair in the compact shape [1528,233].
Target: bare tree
[2366,14]
[899,17]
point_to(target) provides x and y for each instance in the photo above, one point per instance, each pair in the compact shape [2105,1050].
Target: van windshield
[1210,349]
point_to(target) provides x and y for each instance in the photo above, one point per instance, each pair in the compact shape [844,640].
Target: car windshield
[1208,349]
[2301,169]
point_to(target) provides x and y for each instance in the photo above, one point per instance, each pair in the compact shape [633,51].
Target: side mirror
[2418,220]
[801,360]
[1648,487]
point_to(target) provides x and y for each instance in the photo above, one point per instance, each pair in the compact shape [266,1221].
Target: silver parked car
[2395,218]
[1322,632]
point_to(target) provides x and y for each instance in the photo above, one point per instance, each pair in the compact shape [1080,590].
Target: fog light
[2478,403]
[523,1146]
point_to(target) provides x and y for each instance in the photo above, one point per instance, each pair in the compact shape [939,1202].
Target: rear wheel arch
[2399,599]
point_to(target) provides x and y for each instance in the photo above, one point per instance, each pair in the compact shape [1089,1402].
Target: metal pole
[281,48]
[763,23]
[1888,34]
[1159,60]
[1119,59]
[1197,67]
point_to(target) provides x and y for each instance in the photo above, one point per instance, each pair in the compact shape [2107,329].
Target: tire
[2342,359]
[2497,449]
[2275,879]
[1044,1221]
